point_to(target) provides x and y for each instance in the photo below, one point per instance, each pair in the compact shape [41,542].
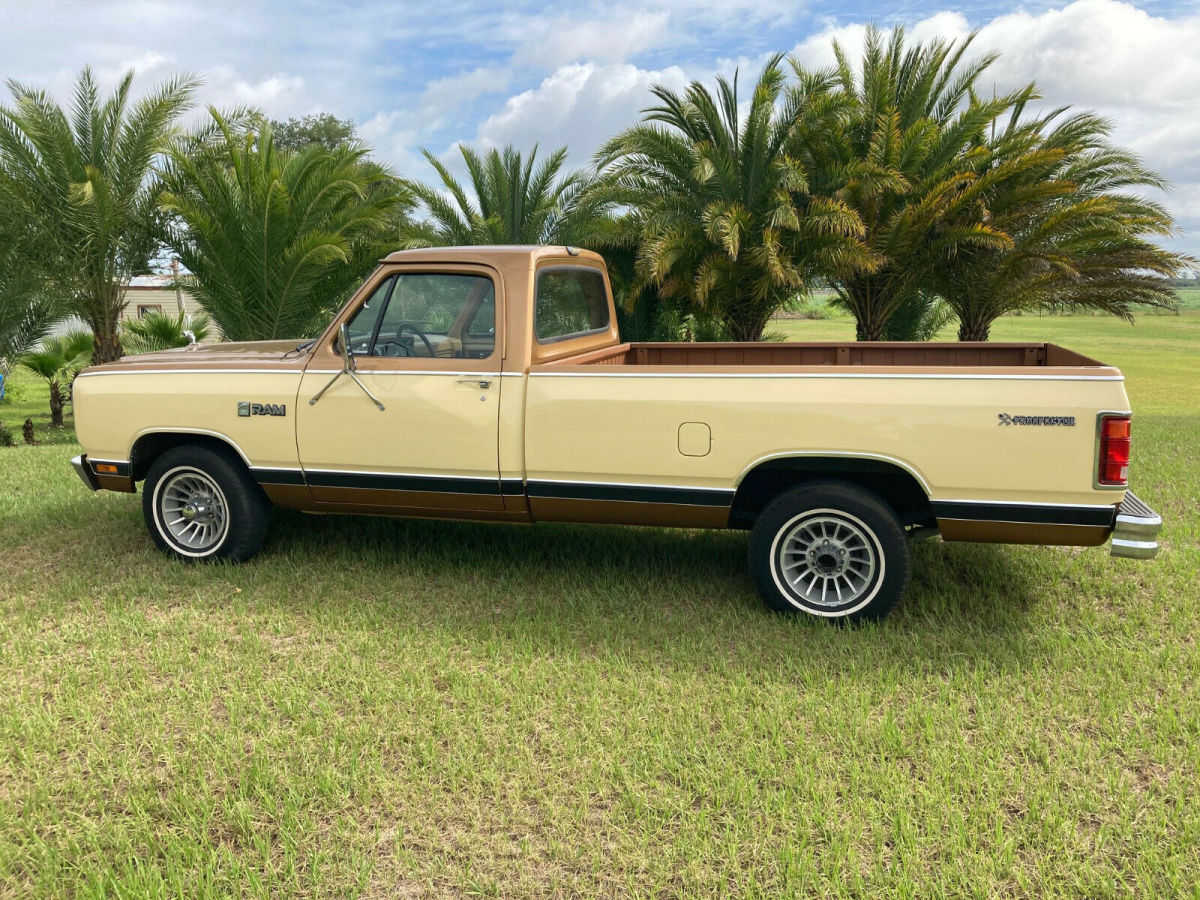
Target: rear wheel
[831,550]
[201,504]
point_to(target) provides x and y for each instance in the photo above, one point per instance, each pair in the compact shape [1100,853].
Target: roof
[152,281]
[496,254]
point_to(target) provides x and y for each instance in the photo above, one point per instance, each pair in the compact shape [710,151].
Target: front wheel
[200,504]
[831,550]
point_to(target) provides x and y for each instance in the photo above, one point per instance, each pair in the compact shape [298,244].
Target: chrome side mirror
[348,364]
[348,368]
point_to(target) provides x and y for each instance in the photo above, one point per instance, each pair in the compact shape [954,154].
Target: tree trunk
[107,347]
[746,332]
[974,331]
[56,405]
[869,331]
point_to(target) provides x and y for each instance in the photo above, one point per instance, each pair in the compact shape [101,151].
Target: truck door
[425,347]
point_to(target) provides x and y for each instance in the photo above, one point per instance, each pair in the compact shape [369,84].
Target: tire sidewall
[866,512]
[246,507]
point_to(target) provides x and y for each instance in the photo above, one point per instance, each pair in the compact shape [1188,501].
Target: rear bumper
[1135,531]
[84,471]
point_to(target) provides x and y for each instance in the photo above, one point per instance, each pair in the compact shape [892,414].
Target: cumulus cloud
[1137,69]
[614,38]
[579,104]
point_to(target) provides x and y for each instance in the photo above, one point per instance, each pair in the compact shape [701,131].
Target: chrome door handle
[481,383]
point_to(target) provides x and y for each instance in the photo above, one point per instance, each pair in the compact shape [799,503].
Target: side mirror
[347,369]
[344,347]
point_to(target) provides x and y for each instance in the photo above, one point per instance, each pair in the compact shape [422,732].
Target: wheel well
[765,482]
[150,447]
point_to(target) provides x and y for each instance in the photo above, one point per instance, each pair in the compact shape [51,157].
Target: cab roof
[492,254]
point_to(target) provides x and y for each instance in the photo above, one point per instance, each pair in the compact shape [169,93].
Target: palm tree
[274,239]
[27,310]
[725,224]
[1079,239]
[901,157]
[160,331]
[85,181]
[510,200]
[58,361]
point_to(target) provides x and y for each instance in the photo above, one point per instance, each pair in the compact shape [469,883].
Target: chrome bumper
[84,471]
[1135,532]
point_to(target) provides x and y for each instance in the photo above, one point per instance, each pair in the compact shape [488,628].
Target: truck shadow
[667,596]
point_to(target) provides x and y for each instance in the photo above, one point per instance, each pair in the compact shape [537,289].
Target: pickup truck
[490,383]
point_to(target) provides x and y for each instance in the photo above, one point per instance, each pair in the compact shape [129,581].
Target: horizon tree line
[889,178]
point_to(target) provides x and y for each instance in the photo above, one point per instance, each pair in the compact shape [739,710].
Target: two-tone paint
[590,429]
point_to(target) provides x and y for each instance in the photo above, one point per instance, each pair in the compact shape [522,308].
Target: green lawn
[404,709]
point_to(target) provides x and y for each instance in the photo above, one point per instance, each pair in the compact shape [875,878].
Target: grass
[403,709]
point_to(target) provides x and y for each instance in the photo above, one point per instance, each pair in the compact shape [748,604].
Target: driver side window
[420,314]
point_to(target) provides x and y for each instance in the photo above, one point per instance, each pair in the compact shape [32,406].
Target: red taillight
[1113,463]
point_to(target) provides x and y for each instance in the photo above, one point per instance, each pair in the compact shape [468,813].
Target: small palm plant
[58,361]
[160,331]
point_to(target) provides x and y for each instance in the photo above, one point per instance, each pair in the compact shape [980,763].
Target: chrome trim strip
[88,373]
[914,375]
[410,372]
[1022,503]
[631,484]
[836,454]
[654,494]
[182,430]
[397,474]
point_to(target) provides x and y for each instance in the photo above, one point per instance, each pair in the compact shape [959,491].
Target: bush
[6,436]
[813,309]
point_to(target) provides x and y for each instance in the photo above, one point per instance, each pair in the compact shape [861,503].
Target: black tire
[829,534]
[215,481]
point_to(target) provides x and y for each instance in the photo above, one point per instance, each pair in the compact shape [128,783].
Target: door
[424,345]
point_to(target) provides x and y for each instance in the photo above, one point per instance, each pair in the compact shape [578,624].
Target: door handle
[481,383]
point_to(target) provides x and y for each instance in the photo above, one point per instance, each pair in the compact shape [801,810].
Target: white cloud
[616,37]
[580,105]
[1141,71]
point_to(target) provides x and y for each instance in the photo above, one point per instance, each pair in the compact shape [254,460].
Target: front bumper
[1135,532]
[84,471]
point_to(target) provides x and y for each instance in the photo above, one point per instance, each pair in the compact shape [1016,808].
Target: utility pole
[178,292]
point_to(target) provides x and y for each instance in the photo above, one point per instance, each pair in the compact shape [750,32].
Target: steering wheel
[411,326]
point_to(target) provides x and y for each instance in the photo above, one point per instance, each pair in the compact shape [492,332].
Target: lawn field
[381,708]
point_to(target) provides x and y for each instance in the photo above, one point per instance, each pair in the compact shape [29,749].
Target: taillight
[1113,462]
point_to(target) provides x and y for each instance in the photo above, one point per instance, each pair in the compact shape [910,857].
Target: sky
[415,75]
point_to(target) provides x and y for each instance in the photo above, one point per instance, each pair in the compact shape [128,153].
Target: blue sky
[433,74]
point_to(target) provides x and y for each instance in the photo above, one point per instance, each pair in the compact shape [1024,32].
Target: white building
[146,294]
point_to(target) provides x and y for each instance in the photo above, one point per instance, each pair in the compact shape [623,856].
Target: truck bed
[851,353]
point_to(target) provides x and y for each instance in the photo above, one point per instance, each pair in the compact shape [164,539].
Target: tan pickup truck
[489,383]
